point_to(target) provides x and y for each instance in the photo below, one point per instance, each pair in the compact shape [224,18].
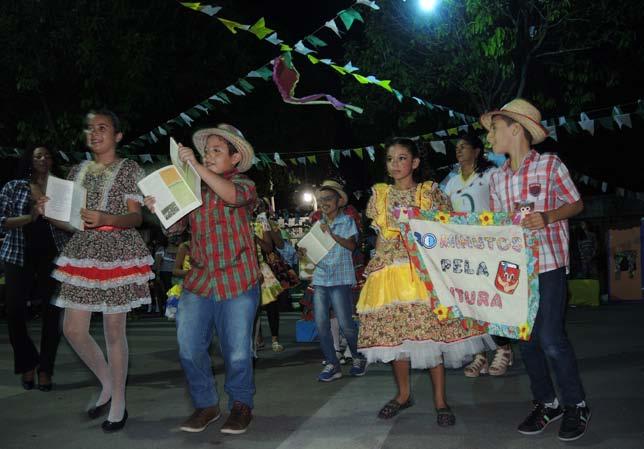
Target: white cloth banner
[480,270]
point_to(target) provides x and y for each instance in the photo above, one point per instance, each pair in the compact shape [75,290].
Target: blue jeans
[549,343]
[198,317]
[339,297]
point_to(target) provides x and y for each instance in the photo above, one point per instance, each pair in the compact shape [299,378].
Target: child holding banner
[541,184]
[468,188]
[397,323]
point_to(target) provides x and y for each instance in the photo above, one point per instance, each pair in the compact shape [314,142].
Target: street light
[427,5]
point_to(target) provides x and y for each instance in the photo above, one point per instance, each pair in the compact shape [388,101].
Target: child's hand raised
[187,155]
[149,202]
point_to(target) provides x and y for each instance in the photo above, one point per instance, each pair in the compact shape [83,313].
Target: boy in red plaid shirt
[538,189]
[220,291]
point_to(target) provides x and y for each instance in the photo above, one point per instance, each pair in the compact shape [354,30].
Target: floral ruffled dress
[396,314]
[105,269]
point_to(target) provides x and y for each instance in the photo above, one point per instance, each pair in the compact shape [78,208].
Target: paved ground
[294,411]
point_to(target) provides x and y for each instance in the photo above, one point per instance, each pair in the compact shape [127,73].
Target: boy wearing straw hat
[221,290]
[541,185]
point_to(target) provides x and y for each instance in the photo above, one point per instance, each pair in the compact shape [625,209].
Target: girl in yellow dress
[180,270]
[397,324]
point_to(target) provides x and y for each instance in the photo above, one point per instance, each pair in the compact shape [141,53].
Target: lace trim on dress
[429,354]
[104,308]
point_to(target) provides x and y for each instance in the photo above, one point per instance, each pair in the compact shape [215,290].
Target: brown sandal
[393,407]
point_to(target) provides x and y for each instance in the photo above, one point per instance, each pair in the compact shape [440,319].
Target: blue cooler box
[305,331]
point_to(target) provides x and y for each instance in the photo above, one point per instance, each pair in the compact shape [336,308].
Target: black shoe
[575,423]
[99,410]
[109,426]
[47,384]
[539,418]
[45,387]
[28,384]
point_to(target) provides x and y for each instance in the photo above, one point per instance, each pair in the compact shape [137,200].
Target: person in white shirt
[468,187]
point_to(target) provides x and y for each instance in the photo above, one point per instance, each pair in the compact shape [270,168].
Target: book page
[174,156]
[79,200]
[59,191]
[186,169]
[317,243]
[174,198]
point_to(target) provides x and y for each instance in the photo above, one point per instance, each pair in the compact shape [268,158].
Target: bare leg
[76,330]
[401,375]
[437,375]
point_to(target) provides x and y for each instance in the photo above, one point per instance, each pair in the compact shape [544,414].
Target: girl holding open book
[106,267]
[397,323]
[28,252]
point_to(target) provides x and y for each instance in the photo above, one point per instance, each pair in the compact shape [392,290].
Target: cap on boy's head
[230,134]
[337,188]
[522,112]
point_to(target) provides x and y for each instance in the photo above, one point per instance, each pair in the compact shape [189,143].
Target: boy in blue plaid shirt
[333,278]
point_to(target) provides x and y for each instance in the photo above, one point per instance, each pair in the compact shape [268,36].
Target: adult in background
[28,250]
[468,187]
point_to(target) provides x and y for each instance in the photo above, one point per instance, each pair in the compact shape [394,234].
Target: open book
[176,188]
[317,243]
[66,198]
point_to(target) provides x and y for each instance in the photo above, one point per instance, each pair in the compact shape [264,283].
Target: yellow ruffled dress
[396,317]
[271,286]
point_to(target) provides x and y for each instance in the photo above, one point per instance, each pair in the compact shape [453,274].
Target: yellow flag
[339,69]
[313,59]
[452,131]
[361,79]
[385,85]
[192,5]
[232,26]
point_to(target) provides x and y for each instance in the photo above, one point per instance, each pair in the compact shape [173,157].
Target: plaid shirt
[222,249]
[544,181]
[15,200]
[336,268]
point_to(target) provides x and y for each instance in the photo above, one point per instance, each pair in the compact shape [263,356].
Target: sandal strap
[445,417]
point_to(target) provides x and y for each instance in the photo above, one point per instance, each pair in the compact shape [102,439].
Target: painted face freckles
[217,157]
[400,162]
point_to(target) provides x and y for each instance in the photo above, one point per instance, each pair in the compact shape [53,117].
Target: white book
[317,243]
[66,199]
[176,188]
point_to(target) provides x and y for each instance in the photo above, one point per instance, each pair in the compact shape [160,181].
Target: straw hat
[337,187]
[232,135]
[522,112]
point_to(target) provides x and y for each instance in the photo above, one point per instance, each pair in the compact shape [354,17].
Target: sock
[76,330]
[553,404]
[117,356]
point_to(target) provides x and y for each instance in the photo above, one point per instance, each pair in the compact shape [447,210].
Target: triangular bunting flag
[88,156]
[335,157]
[273,39]
[302,160]
[64,156]
[438,146]
[623,120]
[202,108]
[186,118]
[293,161]
[552,132]
[359,152]
[264,73]
[361,79]
[162,131]
[348,16]
[441,133]
[302,49]
[232,26]
[349,68]
[369,3]
[332,25]
[371,151]
[153,137]
[259,29]
[604,187]
[315,41]
[234,90]
[313,59]
[210,10]
[146,158]
[588,125]
[312,159]
[346,153]
[278,160]
[248,87]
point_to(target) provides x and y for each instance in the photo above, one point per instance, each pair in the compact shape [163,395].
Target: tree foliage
[477,54]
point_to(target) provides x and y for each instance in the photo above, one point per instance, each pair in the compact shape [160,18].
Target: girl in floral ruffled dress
[397,323]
